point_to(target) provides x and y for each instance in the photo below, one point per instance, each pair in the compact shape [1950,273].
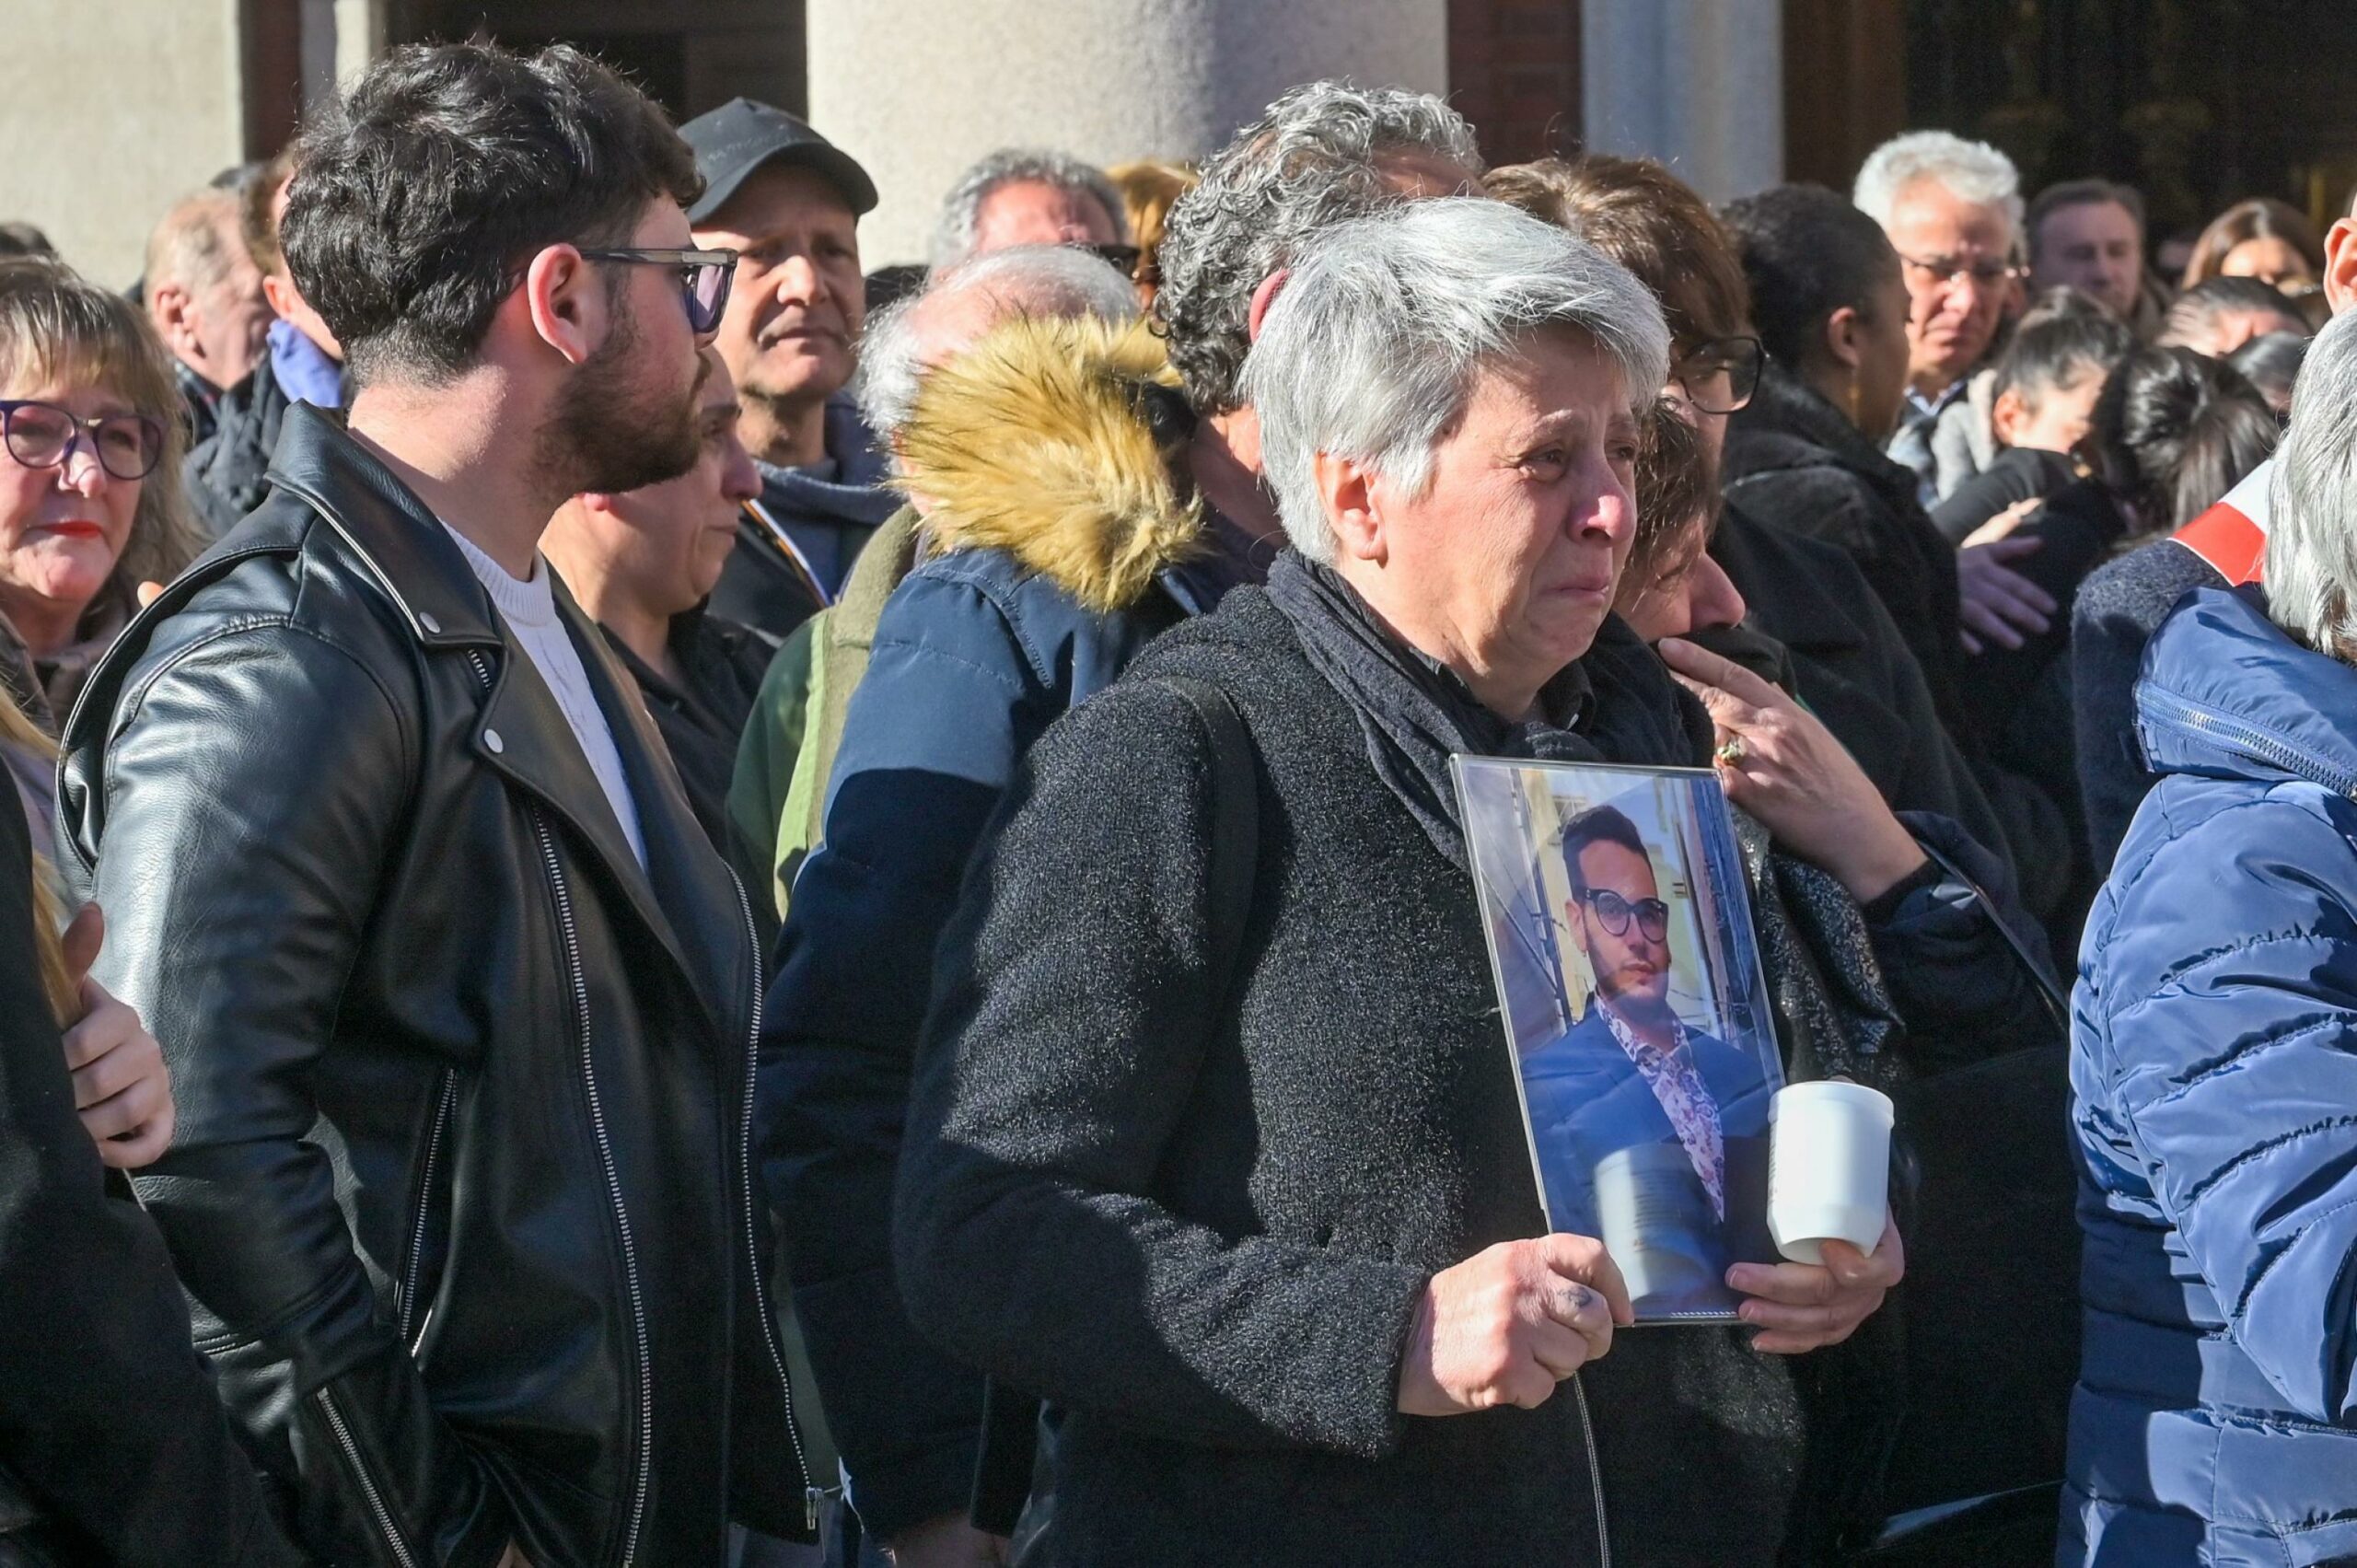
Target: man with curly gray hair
[1323,153]
[1031,196]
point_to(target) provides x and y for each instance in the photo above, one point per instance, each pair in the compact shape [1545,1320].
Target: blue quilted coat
[2214,1078]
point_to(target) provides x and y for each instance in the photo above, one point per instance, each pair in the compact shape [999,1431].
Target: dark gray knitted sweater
[2119,607]
[1202,1229]
[1200,1224]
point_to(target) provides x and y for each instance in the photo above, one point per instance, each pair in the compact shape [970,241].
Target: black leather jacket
[460,1193]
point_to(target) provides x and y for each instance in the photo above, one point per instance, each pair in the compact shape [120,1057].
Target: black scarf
[1615,705]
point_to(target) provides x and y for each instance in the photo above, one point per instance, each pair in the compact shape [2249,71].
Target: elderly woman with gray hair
[2213,1062]
[1214,1142]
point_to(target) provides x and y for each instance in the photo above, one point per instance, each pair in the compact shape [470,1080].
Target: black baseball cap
[741,136]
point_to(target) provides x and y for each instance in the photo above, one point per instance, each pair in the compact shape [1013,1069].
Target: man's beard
[613,429]
[1639,999]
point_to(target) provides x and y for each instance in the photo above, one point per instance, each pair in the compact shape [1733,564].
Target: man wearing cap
[788,201]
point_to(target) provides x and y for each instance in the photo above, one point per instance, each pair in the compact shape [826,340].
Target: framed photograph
[1636,1010]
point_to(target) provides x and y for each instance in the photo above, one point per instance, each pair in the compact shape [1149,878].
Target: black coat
[108,1422]
[2020,699]
[1854,670]
[461,1185]
[702,718]
[2020,473]
[1795,463]
[226,471]
[1199,1216]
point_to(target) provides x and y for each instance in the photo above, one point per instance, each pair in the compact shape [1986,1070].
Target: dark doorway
[2198,103]
[688,59]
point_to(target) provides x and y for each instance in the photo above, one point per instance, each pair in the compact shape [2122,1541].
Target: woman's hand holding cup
[1509,1323]
[1799,1307]
[1828,1192]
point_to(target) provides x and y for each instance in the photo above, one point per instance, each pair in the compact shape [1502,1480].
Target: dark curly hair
[1309,160]
[443,170]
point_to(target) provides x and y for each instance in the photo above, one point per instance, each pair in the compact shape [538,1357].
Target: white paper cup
[1828,1168]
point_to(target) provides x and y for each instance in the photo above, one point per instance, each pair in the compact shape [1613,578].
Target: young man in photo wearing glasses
[459,1000]
[1632,1074]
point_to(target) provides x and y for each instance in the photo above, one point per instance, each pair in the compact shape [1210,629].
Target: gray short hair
[2311,569]
[1971,171]
[1371,349]
[1034,280]
[196,244]
[1308,161]
[961,210]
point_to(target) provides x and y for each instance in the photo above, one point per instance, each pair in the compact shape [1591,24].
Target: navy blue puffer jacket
[2214,1076]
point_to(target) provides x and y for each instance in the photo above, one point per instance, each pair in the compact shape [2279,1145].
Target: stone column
[1698,84]
[114,111]
[918,89]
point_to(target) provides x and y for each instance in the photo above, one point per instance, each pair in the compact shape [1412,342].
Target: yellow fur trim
[1033,441]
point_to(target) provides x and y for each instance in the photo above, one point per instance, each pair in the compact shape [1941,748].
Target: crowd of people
[676,903]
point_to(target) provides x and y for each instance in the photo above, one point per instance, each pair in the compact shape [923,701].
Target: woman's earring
[1856,407]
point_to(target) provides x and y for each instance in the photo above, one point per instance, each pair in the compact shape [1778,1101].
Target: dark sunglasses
[1614,913]
[42,436]
[704,278]
[1122,259]
[1738,359]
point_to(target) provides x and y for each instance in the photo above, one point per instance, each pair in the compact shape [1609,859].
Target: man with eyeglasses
[788,202]
[1952,210]
[459,1000]
[1631,1074]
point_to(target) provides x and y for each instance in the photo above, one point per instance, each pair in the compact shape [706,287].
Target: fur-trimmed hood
[1060,442]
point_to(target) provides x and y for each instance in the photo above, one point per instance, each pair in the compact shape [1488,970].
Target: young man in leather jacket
[459,1000]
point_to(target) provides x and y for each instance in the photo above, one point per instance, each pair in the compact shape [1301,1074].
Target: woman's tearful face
[1510,554]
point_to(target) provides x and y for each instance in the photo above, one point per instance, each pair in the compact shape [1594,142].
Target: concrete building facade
[112,111]
[917,89]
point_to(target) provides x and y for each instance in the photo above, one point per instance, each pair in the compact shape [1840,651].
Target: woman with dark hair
[2218,317]
[2172,433]
[2271,363]
[2263,238]
[1806,457]
[1846,660]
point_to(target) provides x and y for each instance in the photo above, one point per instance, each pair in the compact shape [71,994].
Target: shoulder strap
[1236,819]
[2057,1004]
[1002,1470]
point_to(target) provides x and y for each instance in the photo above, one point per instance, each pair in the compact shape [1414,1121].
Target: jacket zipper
[2284,755]
[442,1105]
[637,1300]
[613,1188]
[368,1483]
[1595,1473]
[810,1492]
